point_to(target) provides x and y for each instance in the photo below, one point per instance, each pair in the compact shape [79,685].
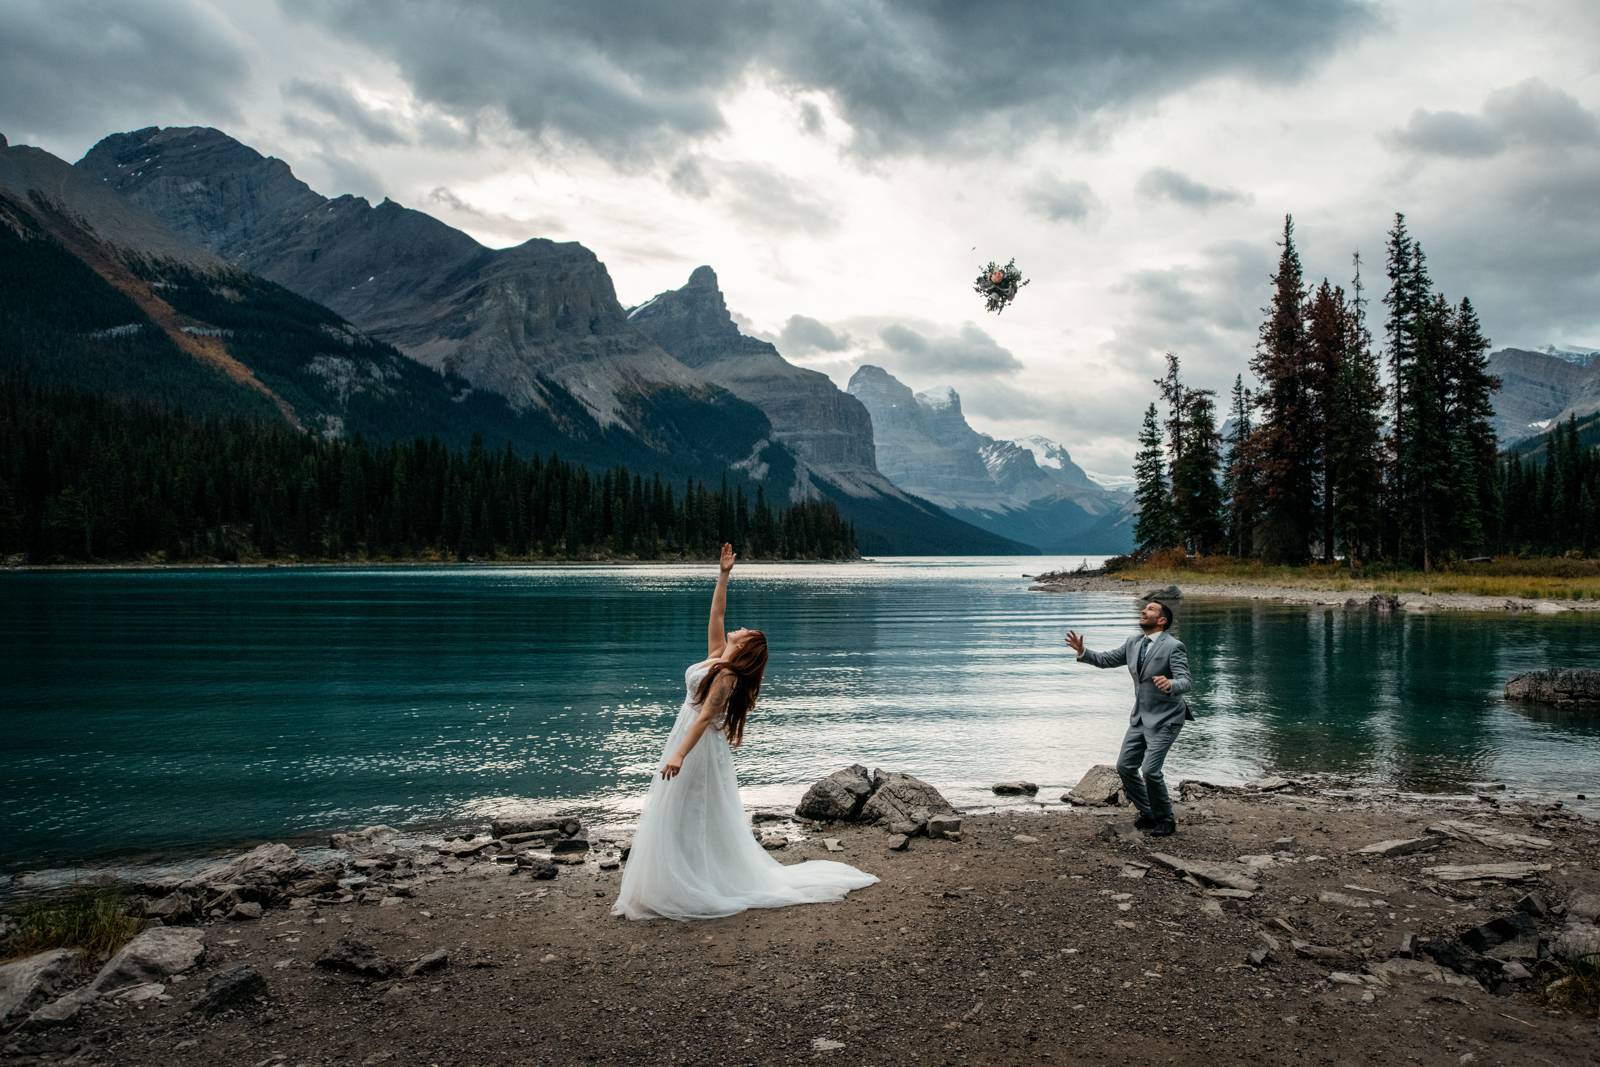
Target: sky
[847,168]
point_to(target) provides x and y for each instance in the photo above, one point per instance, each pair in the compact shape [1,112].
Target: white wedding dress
[694,856]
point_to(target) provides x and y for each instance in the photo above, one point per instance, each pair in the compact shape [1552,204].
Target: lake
[155,713]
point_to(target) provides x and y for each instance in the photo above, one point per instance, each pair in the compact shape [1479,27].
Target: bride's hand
[672,767]
[728,557]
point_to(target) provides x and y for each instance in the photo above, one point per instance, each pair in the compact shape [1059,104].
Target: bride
[694,856]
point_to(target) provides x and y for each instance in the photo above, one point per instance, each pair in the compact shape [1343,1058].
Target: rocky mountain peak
[693,323]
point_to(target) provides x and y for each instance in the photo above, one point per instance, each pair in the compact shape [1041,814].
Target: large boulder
[154,955]
[267,865]
[1100,786]
[837,798]
[1565,688]
[900,799]
[28,982]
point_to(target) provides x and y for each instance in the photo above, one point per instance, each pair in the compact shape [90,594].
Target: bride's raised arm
[716,634]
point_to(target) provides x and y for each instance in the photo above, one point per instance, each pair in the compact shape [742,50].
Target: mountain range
[1540,388]
[1029,489]
[180,266]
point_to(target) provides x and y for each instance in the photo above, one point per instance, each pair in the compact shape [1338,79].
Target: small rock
[611,865]
[1345,900]
[898,842]
[825,1044]
[1100,786]
[541,870]
[63,1009]
[230,987]
[1164,594]
[1581,906]
[1270,784]
[1014,788]
[832,844]
[570,844]
[351,956]
[138,994]
[941,827]
[364,839]
[774,842]
[174,909]
[1259,957]
[1025,839]
[436,960]
[568,859]
[249,909]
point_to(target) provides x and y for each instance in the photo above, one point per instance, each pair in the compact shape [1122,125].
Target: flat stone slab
[1221,874]
[1014,788]
[1402,846]
[1345,900]
[1490,836]
[1487,872]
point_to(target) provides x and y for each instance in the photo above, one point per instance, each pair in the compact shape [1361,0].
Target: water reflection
[169,710]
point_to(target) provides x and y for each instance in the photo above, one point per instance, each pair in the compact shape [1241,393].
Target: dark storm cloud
[1059,200]
[968,351]
[338,104]
[1164,183]
[634,79]
[1531,113]
[79,69]
[803,335]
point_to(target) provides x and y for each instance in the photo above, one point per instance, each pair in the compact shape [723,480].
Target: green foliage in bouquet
[998,285]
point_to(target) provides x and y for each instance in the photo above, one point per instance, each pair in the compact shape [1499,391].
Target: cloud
[79,68]
[969,351]
[1164,183]
[803,335]
[759,196]
[1449,133]
[1534,113]
[1531,113]
[341,105]
[517,227]
[1059,200]
[635,80]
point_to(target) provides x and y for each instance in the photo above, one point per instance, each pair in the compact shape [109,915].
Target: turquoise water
[152,713]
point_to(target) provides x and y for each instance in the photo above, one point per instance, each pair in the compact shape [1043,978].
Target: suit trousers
[1144,750]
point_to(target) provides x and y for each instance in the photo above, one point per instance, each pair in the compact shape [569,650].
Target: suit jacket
[1167,656]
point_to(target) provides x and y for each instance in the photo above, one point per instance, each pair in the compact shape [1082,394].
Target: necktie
[1144,646]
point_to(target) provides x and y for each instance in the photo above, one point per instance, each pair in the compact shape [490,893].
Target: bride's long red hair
[747,664]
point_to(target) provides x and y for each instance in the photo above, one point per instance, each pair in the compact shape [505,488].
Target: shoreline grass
[96,920]
[1535,579]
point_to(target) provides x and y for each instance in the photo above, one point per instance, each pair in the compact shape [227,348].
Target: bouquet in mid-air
[998,285]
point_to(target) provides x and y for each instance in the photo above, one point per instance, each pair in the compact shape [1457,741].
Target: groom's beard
[1147,627]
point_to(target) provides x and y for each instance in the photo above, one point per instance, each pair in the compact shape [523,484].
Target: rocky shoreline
[1284,921]
[1324,596]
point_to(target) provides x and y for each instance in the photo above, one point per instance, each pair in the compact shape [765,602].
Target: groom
[1160,668]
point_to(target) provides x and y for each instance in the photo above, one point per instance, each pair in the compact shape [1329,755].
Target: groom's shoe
[1165,828]
[1144,822]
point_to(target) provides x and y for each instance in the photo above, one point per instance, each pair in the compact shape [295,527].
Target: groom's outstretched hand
[1075,642]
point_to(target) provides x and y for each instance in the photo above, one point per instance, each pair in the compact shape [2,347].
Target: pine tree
[1469,411]
[1286,453]
[1239,486]
[1354,435]
[1155,527]
[1197,497]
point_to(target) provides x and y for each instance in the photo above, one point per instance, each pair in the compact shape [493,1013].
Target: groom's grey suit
[1157,717]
